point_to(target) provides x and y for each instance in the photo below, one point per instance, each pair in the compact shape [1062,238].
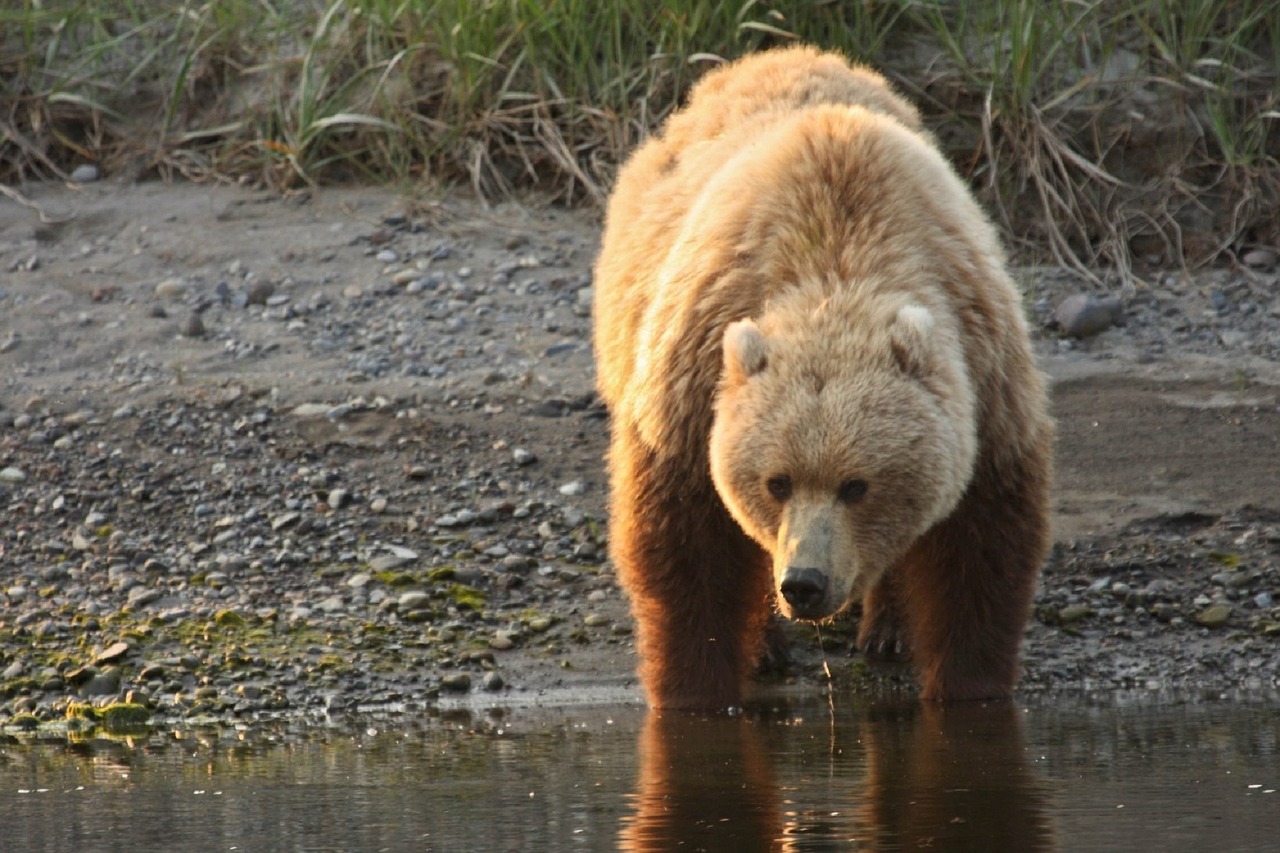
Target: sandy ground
[451,334]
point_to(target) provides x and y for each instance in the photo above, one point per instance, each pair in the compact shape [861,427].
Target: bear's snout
[806,591]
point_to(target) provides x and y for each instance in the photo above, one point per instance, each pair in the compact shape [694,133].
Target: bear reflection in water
[899,777]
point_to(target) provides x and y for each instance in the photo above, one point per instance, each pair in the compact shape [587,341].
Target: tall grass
[1095,129]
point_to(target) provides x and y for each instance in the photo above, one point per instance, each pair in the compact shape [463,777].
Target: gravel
[355,462]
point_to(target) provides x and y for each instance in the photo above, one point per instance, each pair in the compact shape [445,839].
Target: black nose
[804,590]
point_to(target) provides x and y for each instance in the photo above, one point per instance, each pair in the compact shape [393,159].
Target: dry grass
[1103,133]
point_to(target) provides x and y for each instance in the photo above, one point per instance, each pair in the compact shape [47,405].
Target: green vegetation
[1102,128]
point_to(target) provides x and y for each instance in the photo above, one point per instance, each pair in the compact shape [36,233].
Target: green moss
[332,663]
[83,711]
[228,619]
[396,579]
[859,668]
[123,715]
[466,597]
[15,686]
[442,574]
[26,722]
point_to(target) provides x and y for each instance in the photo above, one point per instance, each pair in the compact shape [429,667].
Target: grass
[1097,131]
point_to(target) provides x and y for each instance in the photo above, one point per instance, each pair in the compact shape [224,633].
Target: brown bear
[820,385]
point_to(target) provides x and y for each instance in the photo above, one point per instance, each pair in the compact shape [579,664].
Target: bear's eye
[779,487]
[852,491]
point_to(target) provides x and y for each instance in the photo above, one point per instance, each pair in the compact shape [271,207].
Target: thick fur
[795,289]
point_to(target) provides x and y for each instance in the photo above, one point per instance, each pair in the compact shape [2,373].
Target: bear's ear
[909,338]
[746,352]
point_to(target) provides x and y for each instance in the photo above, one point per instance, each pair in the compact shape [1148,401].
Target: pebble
[85,173]
[113,653]
[171,288]
[1074,613]
[1263,259]
[412,601]
[573,488]
[493,682]
[192,327]
[1084,314]
[523,457]
[1214,616]
[311,410]
[11,474]
[458,682]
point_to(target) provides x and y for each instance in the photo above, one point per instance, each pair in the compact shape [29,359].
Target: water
[1116,772]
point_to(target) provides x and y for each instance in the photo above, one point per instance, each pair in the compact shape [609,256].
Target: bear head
[841,435]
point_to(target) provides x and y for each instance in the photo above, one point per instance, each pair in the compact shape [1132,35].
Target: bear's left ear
[746,352]
[909,338]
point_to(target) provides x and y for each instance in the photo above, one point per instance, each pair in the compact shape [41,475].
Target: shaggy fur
[815,360]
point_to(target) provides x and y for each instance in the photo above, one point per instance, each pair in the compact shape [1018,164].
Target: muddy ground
[260,455]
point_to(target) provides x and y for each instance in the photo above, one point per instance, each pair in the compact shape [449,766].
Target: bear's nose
[804,590]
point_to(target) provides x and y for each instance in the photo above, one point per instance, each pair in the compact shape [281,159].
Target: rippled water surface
[1068,773]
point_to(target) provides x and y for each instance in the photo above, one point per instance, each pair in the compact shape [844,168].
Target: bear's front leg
[882,634]
[699,588]
[968,584]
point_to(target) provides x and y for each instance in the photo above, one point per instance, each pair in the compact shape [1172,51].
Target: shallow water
[1111,772]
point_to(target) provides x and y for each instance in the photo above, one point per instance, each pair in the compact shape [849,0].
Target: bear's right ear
[746,352]
[910,336]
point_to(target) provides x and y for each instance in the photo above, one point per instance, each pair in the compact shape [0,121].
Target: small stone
[1074,613]
[394,557]
[1214,616]
[539,624]
[501,641]
[141,596]
[573,488]
[105,683]
[387,256]
[85,173]
[12,475]
[171,288]
[458,682]
[595,620]
[412,601]
[192,327]
[1083,314]
[285,519]
[258,293]
[112,653]
[523,457]
[493,682]
[311,410]
[1263,259]
[332,604]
